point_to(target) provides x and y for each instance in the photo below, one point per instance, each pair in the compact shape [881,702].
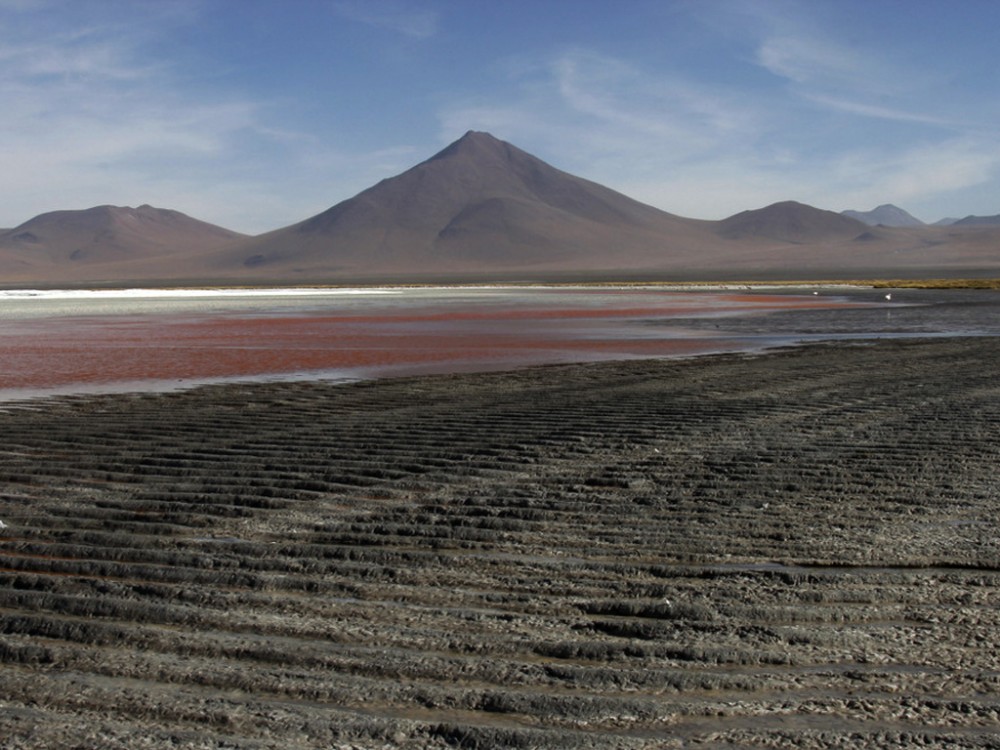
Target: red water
[67,351]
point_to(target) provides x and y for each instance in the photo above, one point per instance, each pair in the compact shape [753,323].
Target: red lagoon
[188,341]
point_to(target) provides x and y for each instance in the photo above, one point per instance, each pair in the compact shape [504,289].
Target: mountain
[887,215]
[790,221]
[978,221]
[480,205]
[67,242]
[482,210]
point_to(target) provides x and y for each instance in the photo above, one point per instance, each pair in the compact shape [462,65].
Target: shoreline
[669,285]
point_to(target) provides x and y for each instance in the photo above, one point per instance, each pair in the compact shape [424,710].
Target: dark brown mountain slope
[789,221]
[62,244]
[480,205]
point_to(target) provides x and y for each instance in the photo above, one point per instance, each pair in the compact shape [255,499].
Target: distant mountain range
[484,210]
[978,221]
[886,215]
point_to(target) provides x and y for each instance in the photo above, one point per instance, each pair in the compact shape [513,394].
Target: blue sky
[255,114]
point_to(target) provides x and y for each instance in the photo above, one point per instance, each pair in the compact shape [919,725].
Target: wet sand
[795,549]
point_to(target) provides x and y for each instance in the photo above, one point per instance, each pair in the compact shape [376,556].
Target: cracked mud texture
[796,549]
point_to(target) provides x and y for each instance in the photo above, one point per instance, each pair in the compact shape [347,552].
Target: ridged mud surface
[791,550]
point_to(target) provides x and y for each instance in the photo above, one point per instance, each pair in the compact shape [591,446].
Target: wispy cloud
[879,112]
[827,69]
[83,96]
[811,61]
[615,122]
[622,96]
[90,117]
[587,103]
[389,14]
[916,172]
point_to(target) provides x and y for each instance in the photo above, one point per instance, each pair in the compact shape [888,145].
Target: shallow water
[74,342]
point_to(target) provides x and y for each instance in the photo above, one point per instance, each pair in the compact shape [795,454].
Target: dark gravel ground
[792,550]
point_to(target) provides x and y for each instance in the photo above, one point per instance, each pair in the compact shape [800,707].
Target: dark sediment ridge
[796,549]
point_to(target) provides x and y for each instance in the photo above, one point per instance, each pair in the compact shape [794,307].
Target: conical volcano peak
[474,144]
[478,203]
[479,137]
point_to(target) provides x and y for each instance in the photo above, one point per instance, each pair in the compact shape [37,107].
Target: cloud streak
[812,62]
[618,95]
[393,16]
[581,101]
[879,112]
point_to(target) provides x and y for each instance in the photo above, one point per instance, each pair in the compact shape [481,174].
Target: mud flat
[797,549]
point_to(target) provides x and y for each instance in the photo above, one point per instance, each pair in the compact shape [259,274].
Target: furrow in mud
[793,549]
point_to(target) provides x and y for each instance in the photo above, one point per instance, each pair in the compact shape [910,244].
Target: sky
[256,114]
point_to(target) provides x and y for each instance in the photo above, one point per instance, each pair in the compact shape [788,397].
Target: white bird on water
[889,296]
[3,525]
